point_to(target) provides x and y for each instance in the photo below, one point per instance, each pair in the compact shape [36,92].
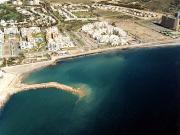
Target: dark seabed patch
[133,92]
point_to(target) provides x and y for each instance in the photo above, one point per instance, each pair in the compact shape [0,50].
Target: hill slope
[161,5]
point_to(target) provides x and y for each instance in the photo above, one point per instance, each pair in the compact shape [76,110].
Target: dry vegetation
[160,5]
[156,5]
[110,14]
[142,33]
[70,1]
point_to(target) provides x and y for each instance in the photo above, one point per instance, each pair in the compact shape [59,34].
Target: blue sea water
[132,92]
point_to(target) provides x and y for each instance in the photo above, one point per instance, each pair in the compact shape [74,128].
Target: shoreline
[54,60]
[19,72]
[169,43]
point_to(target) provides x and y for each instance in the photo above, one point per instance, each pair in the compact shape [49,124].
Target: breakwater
[19,87]
[59,86]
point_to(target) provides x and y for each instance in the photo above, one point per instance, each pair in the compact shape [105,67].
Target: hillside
[160,5]
[70,1]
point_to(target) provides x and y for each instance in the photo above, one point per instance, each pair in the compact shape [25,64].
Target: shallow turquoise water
[129,92]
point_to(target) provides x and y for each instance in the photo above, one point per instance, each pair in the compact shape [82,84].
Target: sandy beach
[14,74]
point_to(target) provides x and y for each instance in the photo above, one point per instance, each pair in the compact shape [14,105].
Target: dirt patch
[144,34]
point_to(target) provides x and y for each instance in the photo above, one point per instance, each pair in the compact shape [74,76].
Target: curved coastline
[19,72]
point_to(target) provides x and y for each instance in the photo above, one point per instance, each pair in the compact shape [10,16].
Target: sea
[129,92]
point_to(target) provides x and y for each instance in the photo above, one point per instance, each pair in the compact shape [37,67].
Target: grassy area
[110,14]
[84,14]
[124,3]
[78,40]
[71,1]
[8,12]
[60,17]
[41,43]
[71,25]
[155,5]
[105,13]
[13,60]
[40,46]
[38,35]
